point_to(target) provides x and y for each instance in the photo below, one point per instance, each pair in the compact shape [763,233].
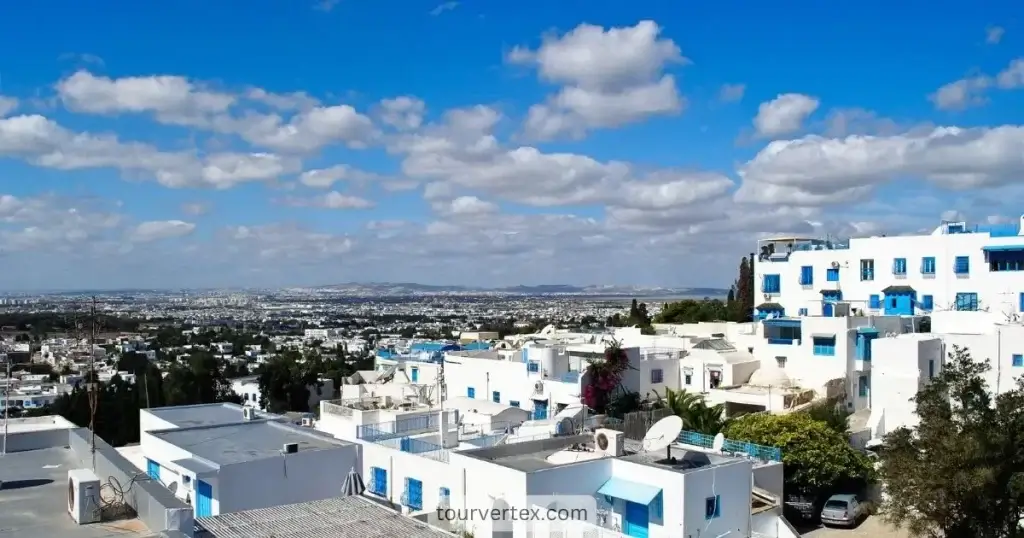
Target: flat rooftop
[187,416]
[342,517]
[38,424]
[225,444]
[33,500]
[530,456]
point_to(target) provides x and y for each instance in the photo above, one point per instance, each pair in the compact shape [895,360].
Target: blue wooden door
[415,375]
[540,410]
[153,469]
[826,309]
[204,499]
[635,520]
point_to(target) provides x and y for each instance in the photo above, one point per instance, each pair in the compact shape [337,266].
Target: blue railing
[419,446]
[383,431]
[761,452]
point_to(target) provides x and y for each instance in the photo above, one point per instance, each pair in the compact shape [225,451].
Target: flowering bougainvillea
[604,376]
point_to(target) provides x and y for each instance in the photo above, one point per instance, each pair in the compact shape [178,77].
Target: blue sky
[194,144]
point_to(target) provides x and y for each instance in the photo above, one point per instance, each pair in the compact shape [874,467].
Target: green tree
[696,414]
[693,311]
[959,471]
[284,381]
[818,460]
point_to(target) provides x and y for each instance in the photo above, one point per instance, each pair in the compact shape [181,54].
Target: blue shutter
[927,302]
[806,275]
[873,302]
[1018,359]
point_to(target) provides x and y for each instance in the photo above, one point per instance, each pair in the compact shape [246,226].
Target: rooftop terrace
[33,500]
[226,444]
[186,416]
[553,452]
[343,517]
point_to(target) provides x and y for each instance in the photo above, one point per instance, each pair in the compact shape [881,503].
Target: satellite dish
[718,443]
[173,486]
[565,427]
[663,433]
[602,441]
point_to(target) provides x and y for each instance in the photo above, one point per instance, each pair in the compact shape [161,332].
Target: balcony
[656,353]
[403,427]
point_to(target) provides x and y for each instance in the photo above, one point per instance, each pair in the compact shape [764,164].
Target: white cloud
[403,112]
[730,93]
[471,205]
[609,78]
[326,177]
[445,6]
[7,105]
[196,209]
[950,157]
[784,115]
[173,99]
[177,101]
[994,34]
[331,200]
[971,91]
[43,142]
[156,230]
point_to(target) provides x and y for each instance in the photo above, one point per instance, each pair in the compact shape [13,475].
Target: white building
[252,463]
[956,267]
[248,387]
[903,364]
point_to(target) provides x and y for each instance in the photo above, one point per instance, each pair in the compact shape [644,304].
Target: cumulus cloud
[784,115]
[608,77]
[156,230]
[972,91]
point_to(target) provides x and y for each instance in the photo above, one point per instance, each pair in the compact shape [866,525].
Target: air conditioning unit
[84,496]
[610,442]
[538,387]
[248,413]
[307,422]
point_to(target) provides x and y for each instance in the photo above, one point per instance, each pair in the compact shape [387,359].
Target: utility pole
[92,385]
[7,400]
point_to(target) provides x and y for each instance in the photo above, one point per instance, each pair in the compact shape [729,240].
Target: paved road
[873,527]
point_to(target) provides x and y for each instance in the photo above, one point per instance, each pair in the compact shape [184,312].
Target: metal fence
[636,424]
[402,427]
[761,452]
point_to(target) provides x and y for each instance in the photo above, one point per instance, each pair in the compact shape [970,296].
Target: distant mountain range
[407,288]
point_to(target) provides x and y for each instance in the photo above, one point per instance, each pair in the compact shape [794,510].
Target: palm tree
[697,415]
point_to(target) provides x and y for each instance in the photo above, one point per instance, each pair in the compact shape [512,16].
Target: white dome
[770,375]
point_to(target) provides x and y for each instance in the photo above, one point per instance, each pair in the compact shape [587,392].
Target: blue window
[802,312]
[899,266]
[862,386]
[415,374]
[927,302]
[496,397]
[867,269]
[533,366]
[874,302]
[806,275]
[931,368]
[1021,302]
[713,507]
[928,265]
[771,284]
[153,469]
[445,495]
[471,392]
[378,481]
[657,375]
[825,346]
[832,274]
[967,301]
[1018,359]
[962,266]
[513,403]
[413,494]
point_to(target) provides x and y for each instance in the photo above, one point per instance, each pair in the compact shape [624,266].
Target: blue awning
[634,492]
[1002,248]
[782,322]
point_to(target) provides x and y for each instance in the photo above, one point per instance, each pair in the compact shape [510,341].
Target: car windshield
[836,505]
